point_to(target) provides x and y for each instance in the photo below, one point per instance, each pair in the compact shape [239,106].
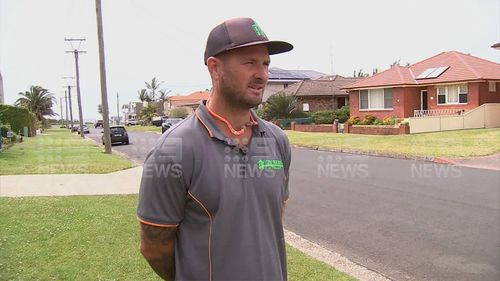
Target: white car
[131,122]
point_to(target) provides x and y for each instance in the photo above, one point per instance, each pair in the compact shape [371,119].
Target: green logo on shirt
[270,164]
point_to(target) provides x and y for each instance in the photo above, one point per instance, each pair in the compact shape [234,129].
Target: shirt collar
[208,122]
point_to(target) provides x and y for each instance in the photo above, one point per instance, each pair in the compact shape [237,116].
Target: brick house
[320,94]
[448,83]
[280,79]
[190,101]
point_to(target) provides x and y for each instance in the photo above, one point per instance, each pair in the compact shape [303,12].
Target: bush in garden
[369,119]
[389,120]
[353,120]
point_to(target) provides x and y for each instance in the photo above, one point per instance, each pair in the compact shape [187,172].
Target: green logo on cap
[258,30]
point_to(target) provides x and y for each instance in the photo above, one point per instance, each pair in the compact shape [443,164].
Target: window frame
[369,100]
[459,93]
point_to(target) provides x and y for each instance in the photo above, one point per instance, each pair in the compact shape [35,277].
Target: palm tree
[279,106]
[143,95]
[164,95]
[153,87]
[37,100]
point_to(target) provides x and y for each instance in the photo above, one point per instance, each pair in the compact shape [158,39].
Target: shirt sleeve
[163,190]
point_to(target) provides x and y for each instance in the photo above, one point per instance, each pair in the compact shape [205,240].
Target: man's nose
[262,72]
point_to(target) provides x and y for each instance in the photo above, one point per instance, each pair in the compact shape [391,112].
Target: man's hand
[157,246]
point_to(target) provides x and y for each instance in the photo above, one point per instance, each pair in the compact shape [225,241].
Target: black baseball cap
[240,32]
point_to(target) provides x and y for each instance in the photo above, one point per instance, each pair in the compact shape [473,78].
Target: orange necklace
[233,131]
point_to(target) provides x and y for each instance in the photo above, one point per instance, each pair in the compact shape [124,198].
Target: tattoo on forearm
[160,253]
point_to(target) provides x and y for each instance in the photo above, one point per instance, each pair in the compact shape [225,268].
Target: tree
[37,100]
[153,87]
[178,112]
[147,113]
[279,106]
[143,95]
[164,95]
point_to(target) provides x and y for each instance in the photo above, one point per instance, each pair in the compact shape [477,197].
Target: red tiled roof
[323,86]
[462,67]
[190,99]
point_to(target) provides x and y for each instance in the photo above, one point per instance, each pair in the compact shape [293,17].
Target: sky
[166,39]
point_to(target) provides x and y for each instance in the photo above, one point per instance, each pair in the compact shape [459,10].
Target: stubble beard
[237,98]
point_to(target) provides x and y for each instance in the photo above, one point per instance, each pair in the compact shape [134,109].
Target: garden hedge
[18,118]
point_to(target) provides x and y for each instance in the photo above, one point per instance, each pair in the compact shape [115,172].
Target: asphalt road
[408,220]
[140,143]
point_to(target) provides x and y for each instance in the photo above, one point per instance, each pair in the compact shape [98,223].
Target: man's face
[243,76]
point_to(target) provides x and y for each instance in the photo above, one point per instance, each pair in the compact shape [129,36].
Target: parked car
[131,122]
[85,129]
[99,123]
[169,122]
[157,121]
[75,128]
[118,134]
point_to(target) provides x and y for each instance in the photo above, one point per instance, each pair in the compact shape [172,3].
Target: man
[215,186]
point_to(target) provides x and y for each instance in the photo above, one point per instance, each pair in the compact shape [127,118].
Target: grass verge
[93,238]
[139,128]
[462,143]
[58,151]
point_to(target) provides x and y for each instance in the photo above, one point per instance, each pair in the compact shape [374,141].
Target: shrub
[179,112]
[353,120]
[369,119]
[323,116]
[343,114]
[3,130]
[389,120]
[378,122]
[18,118]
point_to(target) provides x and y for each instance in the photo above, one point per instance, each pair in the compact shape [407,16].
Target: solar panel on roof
[437,72]
[433,72]
[425,73]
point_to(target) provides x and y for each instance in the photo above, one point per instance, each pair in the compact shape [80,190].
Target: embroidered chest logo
[270,164]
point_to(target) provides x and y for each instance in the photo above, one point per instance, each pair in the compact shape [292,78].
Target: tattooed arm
[157,246]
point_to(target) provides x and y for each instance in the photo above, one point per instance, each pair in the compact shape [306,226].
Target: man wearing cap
[215,186]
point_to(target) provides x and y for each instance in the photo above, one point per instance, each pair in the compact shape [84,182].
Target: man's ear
[213,65]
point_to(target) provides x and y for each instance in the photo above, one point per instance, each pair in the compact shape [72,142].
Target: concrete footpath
[121,182]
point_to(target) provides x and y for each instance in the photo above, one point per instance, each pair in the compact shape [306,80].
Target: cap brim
[274,47]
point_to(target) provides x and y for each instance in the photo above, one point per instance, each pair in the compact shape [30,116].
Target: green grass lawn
[462,143]
[93,238]
[139,128]
[58,151]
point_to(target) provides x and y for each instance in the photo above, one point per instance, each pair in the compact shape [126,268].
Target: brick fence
[377,129]
[328,128]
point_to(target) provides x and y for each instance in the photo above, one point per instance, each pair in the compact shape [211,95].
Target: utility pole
[66,100]
[76,52]
[62,113]
[70,103]
[118,107]
[104,91]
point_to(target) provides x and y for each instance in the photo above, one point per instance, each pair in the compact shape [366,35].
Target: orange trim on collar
[206,127]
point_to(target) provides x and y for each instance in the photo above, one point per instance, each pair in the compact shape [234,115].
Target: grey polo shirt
[226,202]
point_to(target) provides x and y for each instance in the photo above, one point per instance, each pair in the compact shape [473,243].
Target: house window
[454,94]
[305,107]
[376,99]
[492,86]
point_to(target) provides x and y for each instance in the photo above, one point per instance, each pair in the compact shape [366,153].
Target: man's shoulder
[274,129]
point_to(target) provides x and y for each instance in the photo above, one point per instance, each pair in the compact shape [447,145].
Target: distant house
[320,94]
[191,101]
[448,83]
[131,110]
[280,79]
